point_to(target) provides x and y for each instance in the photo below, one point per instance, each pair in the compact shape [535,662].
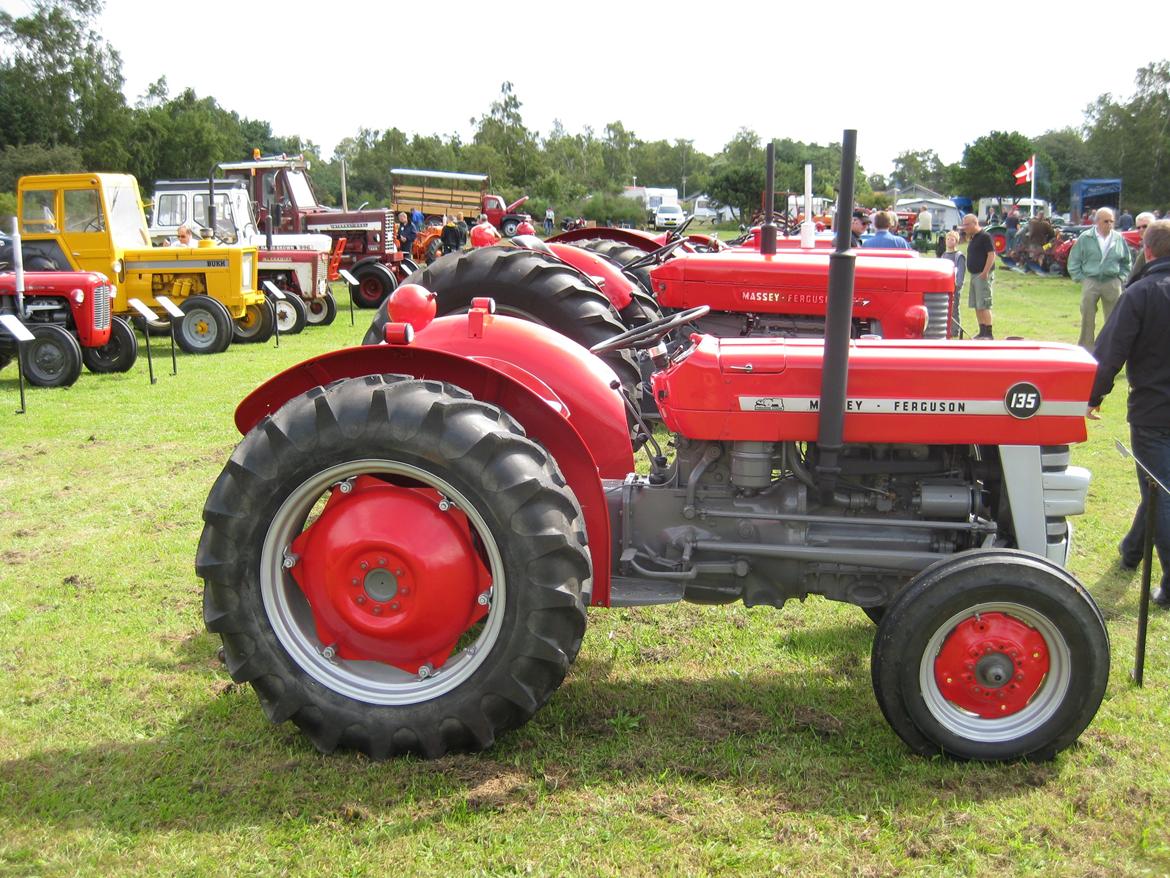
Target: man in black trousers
[1137,336]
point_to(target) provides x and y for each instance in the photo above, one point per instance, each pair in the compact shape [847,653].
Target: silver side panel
[1025,490]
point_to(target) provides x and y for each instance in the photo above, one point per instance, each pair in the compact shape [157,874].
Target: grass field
[685,741]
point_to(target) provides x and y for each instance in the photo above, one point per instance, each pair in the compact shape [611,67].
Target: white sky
[907,75]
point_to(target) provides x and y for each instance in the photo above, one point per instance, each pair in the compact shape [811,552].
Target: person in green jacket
[1099,260]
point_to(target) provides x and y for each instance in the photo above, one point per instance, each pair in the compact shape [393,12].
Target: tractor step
[634,592]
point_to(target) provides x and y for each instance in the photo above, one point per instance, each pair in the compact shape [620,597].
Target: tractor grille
[388,232]
[101,306]
[938,306]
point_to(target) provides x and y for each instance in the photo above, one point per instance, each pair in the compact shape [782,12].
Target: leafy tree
[737,173]
[1061,157]
[36,158]
[989,163]
[923,167]
[501,132]
[62,84]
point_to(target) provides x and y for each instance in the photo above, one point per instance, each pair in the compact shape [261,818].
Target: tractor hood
[928,392]
[511,208]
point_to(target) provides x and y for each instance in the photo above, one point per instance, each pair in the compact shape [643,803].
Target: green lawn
[686,740]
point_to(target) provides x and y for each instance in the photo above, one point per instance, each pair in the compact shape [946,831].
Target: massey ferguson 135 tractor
[399,554]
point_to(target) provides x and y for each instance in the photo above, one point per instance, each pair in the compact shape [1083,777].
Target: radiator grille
[938,306]
[101,306]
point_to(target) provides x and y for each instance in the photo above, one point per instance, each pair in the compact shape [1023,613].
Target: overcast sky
[929,75]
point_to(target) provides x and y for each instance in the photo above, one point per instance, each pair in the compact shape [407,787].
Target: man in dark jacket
[1137,336]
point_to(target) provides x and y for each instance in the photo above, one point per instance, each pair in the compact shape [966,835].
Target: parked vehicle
[434,194]
[68,314]
[280,187]
[669,216]
[95,222]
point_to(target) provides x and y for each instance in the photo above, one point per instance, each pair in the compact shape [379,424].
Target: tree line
[63,109]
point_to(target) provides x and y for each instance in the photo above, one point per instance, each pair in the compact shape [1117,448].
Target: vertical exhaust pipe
[838,324]
[768,230]
[18,267]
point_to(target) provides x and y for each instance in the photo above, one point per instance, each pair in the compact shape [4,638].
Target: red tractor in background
[68,314]
[282,191]
[400,552]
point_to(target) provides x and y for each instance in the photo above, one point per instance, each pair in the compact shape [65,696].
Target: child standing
[960,262]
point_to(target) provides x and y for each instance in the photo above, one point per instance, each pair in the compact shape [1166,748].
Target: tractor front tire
[117,355]
[991,655]
[52,358]
[375,283]
[321,311]
[257,325]
[206,327]
[527,285]
[291,313]
[422,486]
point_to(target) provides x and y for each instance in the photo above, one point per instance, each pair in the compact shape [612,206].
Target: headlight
[118,267]
[247,269]
[78,296]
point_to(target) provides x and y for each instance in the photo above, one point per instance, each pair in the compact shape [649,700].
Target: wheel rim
[314,311]
[286,316]
[369,289]
[968,671]
[297,624]
[48,359]
[199,328]
[251,323]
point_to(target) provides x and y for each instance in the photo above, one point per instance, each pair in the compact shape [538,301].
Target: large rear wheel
[527,285]
[394,567]
[991,655]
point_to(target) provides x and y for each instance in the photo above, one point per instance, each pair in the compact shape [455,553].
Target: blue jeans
[1151,445]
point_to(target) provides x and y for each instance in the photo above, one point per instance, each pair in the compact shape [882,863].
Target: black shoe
[1128,561]
[1160,597]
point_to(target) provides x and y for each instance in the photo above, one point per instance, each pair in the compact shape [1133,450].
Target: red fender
[570,409]
[633,237]
[617,287]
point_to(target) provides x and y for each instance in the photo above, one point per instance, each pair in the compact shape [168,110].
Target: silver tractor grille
[388,233]
[101,306]
[938,306]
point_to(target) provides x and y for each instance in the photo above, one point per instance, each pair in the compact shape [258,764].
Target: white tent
[946,214]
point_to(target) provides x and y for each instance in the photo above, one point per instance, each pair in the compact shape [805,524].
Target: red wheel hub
[391,575]
[991,665]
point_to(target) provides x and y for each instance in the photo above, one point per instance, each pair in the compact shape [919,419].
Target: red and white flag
[1025,172]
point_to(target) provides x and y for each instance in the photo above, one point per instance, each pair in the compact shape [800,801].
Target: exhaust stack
[838,323]
[768,230]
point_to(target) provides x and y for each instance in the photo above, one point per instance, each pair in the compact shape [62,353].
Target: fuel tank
[912,391]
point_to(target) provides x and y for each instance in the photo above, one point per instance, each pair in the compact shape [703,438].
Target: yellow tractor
[95,222]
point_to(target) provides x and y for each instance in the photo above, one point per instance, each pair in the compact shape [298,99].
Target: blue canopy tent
[1086,195]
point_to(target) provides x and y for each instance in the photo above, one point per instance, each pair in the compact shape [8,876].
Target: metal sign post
[176,314]
[1153,487]
[147,315]
[278,295]
[19,332]
[352,281]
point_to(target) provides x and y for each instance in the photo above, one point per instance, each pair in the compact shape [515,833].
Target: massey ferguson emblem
[769,404]
[790,298]
[1022,400]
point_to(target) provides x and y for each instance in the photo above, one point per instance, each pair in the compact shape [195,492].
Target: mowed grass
[686,740]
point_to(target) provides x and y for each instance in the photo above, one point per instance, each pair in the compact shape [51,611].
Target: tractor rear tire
[409,442]
[291,313]
[619,253]
[375,283]
[117,355]
[52,358]
[321,311]
[206,327]
[257,325]
[1041,656]
[527,285]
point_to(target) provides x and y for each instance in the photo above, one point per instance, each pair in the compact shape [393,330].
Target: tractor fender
[618,288]
[370,260]
[571,411]
[633,237]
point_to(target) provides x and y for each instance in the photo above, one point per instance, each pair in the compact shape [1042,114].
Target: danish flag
[1025,172]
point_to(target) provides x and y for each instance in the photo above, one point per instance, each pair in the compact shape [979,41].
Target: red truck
[280,186]
[434,193]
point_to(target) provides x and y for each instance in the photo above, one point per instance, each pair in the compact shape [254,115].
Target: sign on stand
[23,336]
[278,294]
[149,316]
[353,285]
[176,314]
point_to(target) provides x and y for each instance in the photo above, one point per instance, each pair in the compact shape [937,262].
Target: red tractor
[68,314]
[281,189]
[401,550]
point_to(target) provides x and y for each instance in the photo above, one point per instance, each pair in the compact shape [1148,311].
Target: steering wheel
[649,334]
[654,257]
[677,231]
